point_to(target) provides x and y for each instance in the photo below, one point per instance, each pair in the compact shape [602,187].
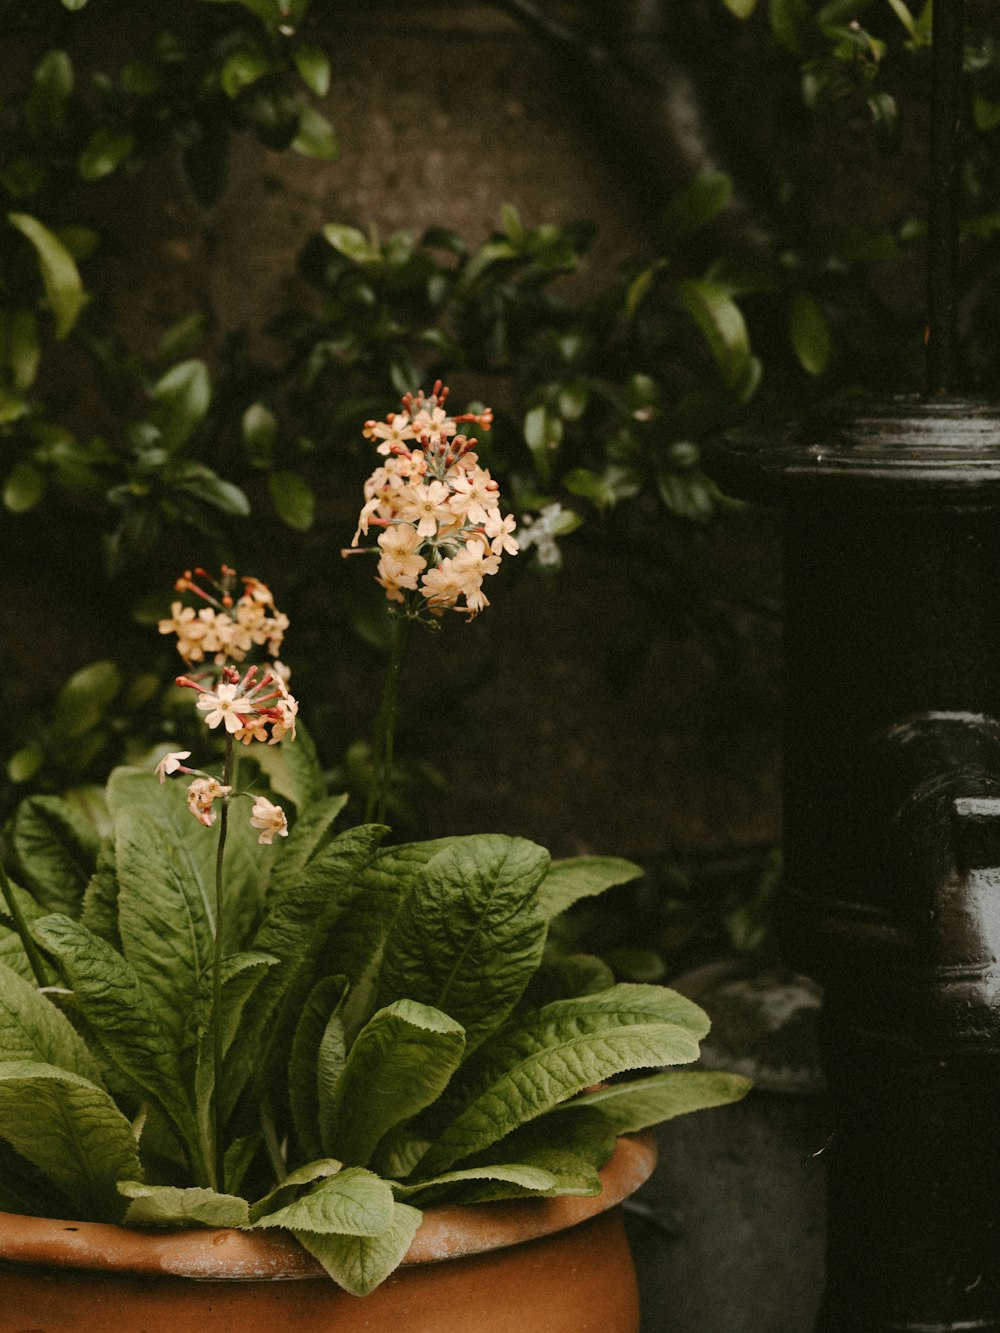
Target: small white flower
[270,819]
[171,763]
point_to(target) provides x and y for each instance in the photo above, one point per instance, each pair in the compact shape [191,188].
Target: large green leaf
[306,838]
[360,1263]
[353,1202]
[71,1131]
[57,851]
[471,937]
[60,275]
[169,1206]
[581,877]
[400,1063]
[723,326]
[531,1179]
[648,1101]
[119,1014]
[293,770]
[286,1191]
[165,923]
[32,1028]
[181,399]
[317,1058]
[545,1057]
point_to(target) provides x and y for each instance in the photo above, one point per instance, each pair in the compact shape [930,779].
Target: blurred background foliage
[781,266]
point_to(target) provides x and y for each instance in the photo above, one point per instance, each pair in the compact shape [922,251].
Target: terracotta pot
[533,1266]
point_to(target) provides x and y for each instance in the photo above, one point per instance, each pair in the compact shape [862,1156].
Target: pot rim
[226,1254]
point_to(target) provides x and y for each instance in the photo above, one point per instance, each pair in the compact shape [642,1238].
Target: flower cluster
[224,628]
[251,704]
[442,530]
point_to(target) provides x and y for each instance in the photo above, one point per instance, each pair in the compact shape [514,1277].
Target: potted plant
[238,1043]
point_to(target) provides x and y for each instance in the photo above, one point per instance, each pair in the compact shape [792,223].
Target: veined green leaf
[118,1013]
[24,1189]
[353,1202]
[533,1179]
[165,924]
[283,1193]
[548,1056]
[169,1206]
[241,975]
[32,1028]
[56,849]
[294,771]
[567,1174]
[470,939]
[306,839]
[648,1101]
[100,898]
[317,1060]
[360,1263]
[60,275]
[581,877]
[400,1062]
[71,1131]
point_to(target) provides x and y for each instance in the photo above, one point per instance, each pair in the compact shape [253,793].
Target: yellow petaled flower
[442,530]
[270,819]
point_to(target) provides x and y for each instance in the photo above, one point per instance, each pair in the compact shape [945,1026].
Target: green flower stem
[385,731]
[21,926]
[217,1127]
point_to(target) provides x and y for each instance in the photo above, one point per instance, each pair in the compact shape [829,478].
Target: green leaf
[294,771]
[168,1206]
[693,208]
[545,1057]
[741,8]
[794,25]
[240,70]
[648,1101]
[581,877]
[23,488]
[353,1202]
[165,923]
[118,1013]
[532,1179]
[543,432]
[293,499]
[211,489]
[73,4]
[22,350]
[32,1028]
[316,137]
[400,1062]
[360,1263]
[181,399]
[306,838]
[72,1131]
[106,149]
[284,1192]
[25,763]
[60,275]
[56,849]
[314,68]
[84,699]
[351,243]
[317,1060]
[810,332]
[722,324]
[260,428]
[470,938]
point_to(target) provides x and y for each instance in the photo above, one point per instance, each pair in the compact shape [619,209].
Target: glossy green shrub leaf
[722,324]
[810,332]
[692,208]
[84,700]
[71,1130]
[260,429]
[19,346]
[24,487]
[293,499]
[240,70]
[795,26]
[314,68]
[106,149]
[60,275]
[351,243]
[181,399]
[73,4]
[316,136]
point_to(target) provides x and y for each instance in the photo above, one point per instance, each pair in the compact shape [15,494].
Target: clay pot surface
[534,1266]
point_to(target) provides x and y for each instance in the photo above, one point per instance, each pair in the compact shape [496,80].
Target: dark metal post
[892,840]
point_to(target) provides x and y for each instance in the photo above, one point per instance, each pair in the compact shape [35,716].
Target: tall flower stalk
[441,534]
[250,704]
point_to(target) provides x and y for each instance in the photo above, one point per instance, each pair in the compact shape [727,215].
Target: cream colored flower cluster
[224,629]
[442,531]
[248,709]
